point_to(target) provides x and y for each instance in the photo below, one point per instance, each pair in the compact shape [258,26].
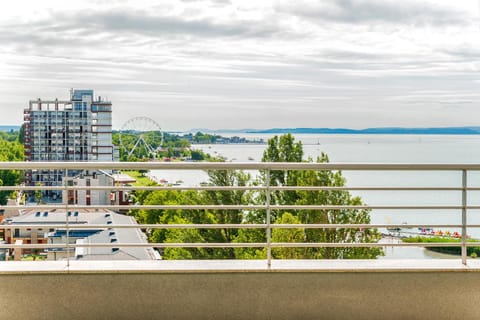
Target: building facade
[79,129]
[85,196]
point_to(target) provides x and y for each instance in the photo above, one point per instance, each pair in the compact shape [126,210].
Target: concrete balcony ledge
[290,289]
[238,266]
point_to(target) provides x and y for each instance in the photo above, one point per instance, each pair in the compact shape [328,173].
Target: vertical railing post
[67,225]
[464,216]
[268,218]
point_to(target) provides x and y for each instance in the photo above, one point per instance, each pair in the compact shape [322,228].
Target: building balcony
[263,288]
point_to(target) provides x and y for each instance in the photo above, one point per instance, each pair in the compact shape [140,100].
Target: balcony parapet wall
[241,290]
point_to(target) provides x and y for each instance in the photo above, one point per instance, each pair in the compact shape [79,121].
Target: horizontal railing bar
[366,244]
[73,225]
[367,226]
[121,188]
[135,245]
[72,207]
[375,188]
[60,165]
[234,188]
[27,188]
[242,207]
[240,245]
[359,207]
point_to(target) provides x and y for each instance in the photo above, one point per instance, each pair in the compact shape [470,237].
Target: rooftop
[101,235]
[123,178]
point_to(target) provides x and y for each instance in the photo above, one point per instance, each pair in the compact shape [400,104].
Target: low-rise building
[13,232]
[100,178]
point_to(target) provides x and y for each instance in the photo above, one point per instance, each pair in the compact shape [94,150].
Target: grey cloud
[368,11]
[465,52]
[222,2]
[139,22]
[34,39]
[123,27]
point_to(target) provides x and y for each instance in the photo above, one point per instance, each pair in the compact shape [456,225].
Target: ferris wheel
[141,134]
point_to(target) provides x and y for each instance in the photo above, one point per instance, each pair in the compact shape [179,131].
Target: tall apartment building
[79,129]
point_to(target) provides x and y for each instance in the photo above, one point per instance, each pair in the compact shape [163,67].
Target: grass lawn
[471,251]
[31,257]
[142,180]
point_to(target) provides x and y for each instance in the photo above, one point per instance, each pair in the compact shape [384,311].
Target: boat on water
[251,158]
[398,229]
[394,229]
[178,183]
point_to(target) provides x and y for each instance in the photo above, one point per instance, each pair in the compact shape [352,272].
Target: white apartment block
[79,129]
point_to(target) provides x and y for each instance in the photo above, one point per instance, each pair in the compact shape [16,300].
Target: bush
[448,250]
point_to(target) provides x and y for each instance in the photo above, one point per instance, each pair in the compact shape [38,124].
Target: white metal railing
[463,207]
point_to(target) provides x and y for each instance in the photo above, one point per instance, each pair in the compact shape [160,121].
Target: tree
[21,134]
[221,216]
[285,149]
[282,149]
[10,150]
[183,236]
[197,155]
[228,178]
[38,193]
[289,236]
[338,216]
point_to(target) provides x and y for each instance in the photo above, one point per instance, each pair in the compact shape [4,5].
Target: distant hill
[386,130]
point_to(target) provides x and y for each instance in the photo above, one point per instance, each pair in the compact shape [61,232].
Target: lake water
[379,149]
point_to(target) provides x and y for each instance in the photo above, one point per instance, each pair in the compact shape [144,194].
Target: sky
[228,64]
